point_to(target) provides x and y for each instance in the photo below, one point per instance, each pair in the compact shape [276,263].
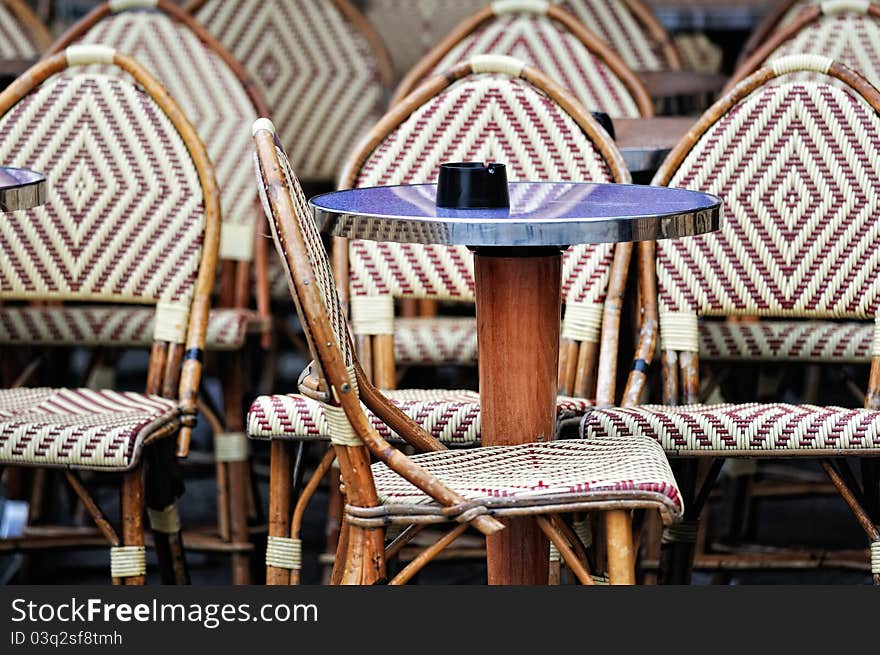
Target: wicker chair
[132,216]
[453,417]
[797,166]
[631,29]
[321,68]
[781,15]
[432,487]
[846,31]
[431,127]
[410,28]
[548,38]
[218,97]
[22,34]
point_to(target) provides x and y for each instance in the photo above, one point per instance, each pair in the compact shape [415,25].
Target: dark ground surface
[815,522]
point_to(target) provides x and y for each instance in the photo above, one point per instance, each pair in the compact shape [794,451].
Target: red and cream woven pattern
[315,69]
[318,260]
[213,100]
[547,45]
[798,168]
[790,341]
[852,39]
[410,28]
[453,417]
[15,39]
[630,468]
[613,21]
[437,340]
[121,326]
[124,215]
[751,430]
[489,117]
[78,428]
[698,53]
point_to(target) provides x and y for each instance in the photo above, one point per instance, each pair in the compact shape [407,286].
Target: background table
[645,142]
[518,270]
[21,188]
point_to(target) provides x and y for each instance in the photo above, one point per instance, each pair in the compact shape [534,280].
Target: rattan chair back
[132,212]
[22,34]
[318,63]
[548,38]
[847,31]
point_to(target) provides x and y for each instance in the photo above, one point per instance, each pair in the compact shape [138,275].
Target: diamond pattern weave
[315,69]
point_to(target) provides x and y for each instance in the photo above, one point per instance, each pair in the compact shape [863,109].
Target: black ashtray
[472,185]
[605,121]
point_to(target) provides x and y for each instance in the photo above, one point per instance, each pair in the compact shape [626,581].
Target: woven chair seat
[806,341]
[453,417]
[622,470]
[79,428]
[748,430]
[121,326]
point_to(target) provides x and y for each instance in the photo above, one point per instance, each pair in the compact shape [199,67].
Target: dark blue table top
[541,214]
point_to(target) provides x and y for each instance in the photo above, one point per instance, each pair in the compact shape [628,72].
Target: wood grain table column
[518,292]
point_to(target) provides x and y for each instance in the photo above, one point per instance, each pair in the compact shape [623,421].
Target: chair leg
[620,552]
[335,506]
[233,452]
[128,561]
[164,485]
[280,475]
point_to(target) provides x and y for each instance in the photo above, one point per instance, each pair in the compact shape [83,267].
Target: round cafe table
[645,142]
[21,188]
[518,269]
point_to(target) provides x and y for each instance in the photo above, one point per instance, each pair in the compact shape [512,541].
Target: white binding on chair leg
[128,561]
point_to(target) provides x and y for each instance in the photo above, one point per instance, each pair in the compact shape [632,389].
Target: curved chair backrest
[320,66]
[310,278]
[132,211]
[410,28]
[798,167]
[631,29]
[22,34]
[491,108]
[847,31]
[782,13]
[209,84]
[551,40]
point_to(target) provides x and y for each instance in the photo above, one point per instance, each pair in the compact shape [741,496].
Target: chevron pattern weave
[124,214]
[635,467]
[78,428]
[453,417]
[550,47]
[850,39]
[437,340]
[480,118]
[789,341]
[617,25]
[15,39]
[315,69]
[210,95]
[752,429]
[120,326]
[798,168]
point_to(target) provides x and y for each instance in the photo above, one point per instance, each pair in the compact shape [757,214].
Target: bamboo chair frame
[39,33]
[809,15]
[768,25]
[417,76]
[329,381]
[578,360]
[652,27]
[235,290]
[175,369]
[680,369]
